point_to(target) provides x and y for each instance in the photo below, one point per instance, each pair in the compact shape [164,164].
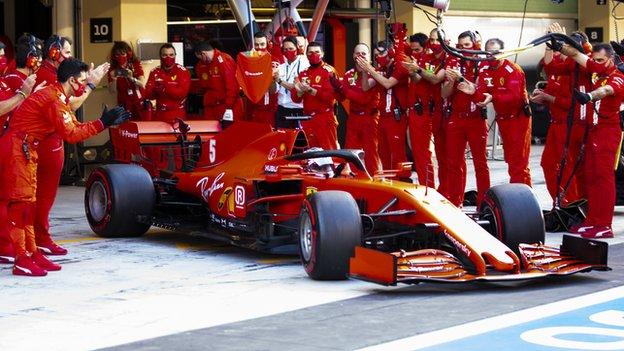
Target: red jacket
[317,78]
[127,92]
[362,102]
[168,88]
[607,110]
[46,112]
[461,103]
[397,95]
[507,85]
[218,78]
[47,73]
[564,70]
[423,89]
[9,84]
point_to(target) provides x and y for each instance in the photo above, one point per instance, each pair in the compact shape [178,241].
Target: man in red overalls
[558,96]
[605,135]
[428,73]
[216,72]
[314,88]
[392,79]
[503,83]
[264,110]
[565,69]
[46,112]
[11,96]
[56,50]
[169,85]
[466,125]
[363,120]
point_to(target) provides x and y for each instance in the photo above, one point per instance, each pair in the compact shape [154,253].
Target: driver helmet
[323,165]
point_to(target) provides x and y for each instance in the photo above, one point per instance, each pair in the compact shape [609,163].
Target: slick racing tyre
[330,227]
[116,196]
[514,214]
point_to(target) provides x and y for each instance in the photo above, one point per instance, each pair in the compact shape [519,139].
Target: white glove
[228,115]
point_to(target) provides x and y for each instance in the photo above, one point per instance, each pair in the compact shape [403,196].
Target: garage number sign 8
[101,30]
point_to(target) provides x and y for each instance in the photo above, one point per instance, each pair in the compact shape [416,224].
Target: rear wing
[129,138]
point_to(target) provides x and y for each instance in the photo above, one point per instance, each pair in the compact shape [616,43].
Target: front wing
[538,261]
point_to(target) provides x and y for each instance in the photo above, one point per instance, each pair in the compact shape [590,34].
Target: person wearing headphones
[466,124]
[46,112]
[56,49]
[503,83]
[14,88]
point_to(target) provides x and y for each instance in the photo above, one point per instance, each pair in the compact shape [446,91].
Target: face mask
[80,90]
[603,69]
[290,55]
[122,60]
[3,64]
[167,62]
[435,48]
[262,50]
[315,58]
[382,61]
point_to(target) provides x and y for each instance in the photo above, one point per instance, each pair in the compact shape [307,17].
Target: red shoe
[7,254]
[24,265]
[598,232]
[579,228]
[43,262]
[52,249]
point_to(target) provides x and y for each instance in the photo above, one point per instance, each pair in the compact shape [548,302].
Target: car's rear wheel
[330,227]
[119,200]
[514,214]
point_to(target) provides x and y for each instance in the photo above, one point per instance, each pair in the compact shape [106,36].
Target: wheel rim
[98,201]
[487,213]
[305,236]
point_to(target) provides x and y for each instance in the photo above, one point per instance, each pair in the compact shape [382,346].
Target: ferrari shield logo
[224,197]
[317,79]
[502,81]
[204,76]
[174,77]
[311,190]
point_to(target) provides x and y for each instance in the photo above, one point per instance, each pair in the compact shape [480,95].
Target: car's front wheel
[514,214]
[330,227]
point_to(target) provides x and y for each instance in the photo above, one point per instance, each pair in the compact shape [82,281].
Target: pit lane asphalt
[169,291]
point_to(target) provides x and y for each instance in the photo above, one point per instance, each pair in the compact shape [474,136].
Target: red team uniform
[392,119]
[506,83]
[363,120]
[221,90]
[321,128]
[169,88]
[465,126]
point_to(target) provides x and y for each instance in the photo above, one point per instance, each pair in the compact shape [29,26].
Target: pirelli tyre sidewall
[330,227]
[514,214]
[115,197]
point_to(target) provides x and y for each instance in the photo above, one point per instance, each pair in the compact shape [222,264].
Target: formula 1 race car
[267,190]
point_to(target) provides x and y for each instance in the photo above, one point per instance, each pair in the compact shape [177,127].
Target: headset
[54,52]
[475,37]
[32,58]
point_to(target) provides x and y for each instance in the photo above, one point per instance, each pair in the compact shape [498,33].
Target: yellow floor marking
[278,260]
[78,240]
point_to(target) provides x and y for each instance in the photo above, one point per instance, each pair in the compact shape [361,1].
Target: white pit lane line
[462,331]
